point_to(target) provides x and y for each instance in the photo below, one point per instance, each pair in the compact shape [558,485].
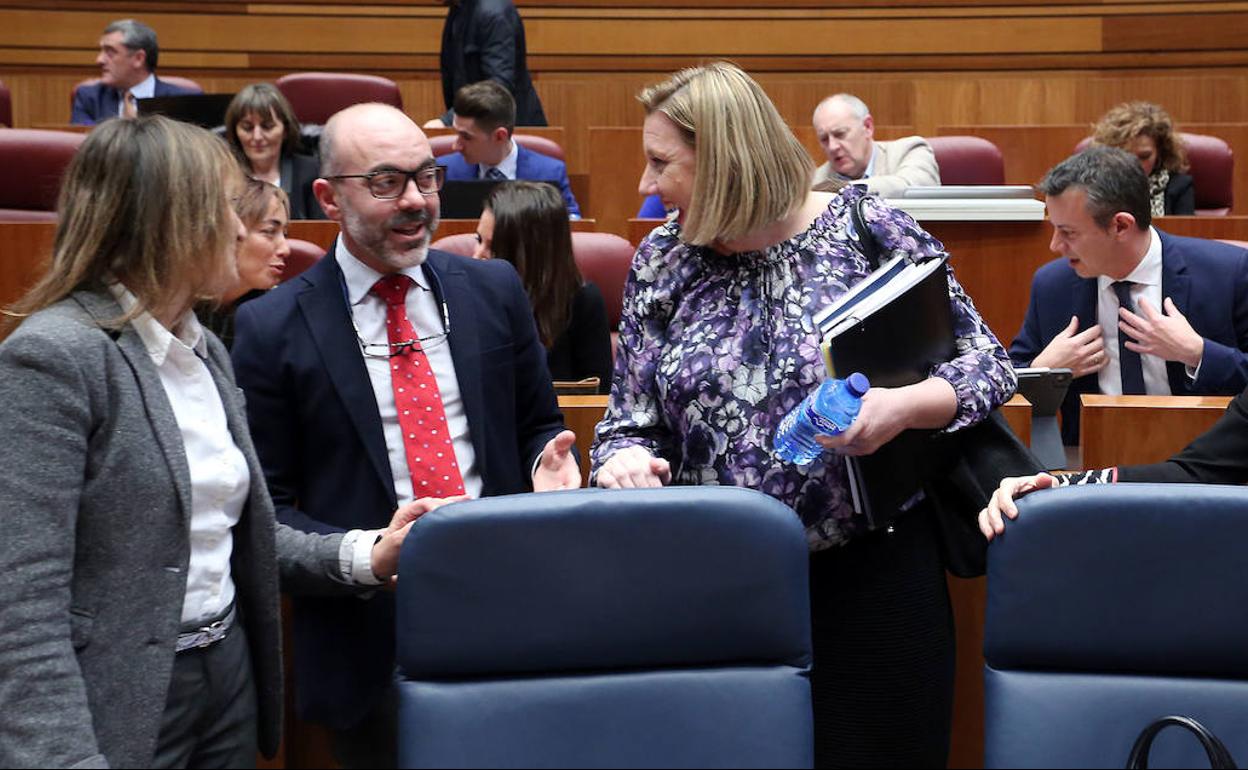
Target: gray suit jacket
[901,163]
[96,498]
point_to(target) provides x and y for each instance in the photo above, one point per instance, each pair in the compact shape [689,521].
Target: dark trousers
[374,742]
[882,627]
[210,714]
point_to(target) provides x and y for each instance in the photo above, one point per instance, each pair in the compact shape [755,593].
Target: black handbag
[1219,757]
[961,470]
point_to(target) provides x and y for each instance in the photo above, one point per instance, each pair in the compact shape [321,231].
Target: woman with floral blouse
[717,345]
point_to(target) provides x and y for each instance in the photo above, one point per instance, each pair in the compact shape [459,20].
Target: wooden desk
[72,128]
[1136,430]
[581,414]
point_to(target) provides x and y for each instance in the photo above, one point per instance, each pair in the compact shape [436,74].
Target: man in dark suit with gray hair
[128,57]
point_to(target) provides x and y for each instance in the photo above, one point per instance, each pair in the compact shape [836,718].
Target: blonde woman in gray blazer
[140,563]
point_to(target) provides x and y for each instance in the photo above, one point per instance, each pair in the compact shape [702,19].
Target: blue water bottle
[829,410]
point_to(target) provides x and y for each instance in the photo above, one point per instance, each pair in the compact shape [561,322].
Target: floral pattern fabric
[715,349]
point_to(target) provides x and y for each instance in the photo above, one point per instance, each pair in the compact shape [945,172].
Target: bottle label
[822,424]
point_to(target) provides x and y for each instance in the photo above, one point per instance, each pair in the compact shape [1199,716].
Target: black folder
[895,327]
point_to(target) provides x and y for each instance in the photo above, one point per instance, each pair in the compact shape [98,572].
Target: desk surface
[1136,430]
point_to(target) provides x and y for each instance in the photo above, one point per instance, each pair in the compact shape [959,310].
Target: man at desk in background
[128,56]
[386,372]
[485,116]
[1129,309]
[846,132]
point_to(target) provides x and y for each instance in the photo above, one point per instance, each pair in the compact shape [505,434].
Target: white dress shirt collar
[156,338]
[870,169]
[361,278]
[1146,278]
[507,165]
[1147,273]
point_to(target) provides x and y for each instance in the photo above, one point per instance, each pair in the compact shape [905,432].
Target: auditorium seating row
[40,156]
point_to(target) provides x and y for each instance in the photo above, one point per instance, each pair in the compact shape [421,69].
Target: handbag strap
[1219,757]
[867,244]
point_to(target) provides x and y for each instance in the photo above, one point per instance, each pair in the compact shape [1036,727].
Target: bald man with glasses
[388,372]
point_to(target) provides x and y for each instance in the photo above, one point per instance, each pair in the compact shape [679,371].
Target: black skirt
[884,658]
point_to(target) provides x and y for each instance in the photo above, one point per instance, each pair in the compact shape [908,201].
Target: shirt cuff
[355,556]
[1193,374]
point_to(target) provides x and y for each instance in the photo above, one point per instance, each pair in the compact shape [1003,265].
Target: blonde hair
[751,170]
[145,201]
[1122,124]
[255,199]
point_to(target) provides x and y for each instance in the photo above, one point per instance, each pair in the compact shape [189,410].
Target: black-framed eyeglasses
[388,185]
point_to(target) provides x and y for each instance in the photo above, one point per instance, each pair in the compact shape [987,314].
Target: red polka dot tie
[426,436]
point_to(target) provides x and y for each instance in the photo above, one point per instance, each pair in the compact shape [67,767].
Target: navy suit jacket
[95,101]
[317,430]
[530,165]
[1208,282]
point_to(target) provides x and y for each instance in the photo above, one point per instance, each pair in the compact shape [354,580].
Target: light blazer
[899,164]
[95,101]
[96,502]
[319,434]
[1208,282]
[530,165]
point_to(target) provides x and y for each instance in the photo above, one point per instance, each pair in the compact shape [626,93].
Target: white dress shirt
[425,313]
[220,481]
[1147,279]
[144,90]
[507,165]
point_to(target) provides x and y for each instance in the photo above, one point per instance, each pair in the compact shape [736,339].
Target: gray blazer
[95,497]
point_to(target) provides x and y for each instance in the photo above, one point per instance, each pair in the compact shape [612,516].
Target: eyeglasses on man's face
[388,185]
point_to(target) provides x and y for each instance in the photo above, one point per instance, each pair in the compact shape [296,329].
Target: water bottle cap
[858,384]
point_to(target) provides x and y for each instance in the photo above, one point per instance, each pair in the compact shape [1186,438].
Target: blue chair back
[1110,607]
[594,628]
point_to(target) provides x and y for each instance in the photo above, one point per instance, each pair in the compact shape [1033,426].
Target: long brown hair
[531,232]
[144,201]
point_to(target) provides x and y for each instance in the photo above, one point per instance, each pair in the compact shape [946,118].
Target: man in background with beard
[388,372]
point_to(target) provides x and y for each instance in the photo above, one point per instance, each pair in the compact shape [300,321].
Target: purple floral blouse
[715,349]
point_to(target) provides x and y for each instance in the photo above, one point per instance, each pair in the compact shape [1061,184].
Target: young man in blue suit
[388,371]
[485,116]
[1128,308]
[128,57]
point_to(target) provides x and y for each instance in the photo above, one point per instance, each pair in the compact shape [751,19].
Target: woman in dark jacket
[261,128]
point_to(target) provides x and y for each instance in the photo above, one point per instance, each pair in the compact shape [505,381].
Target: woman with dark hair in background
[265,212]
[261,127]
[526,223]
[1146,131]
